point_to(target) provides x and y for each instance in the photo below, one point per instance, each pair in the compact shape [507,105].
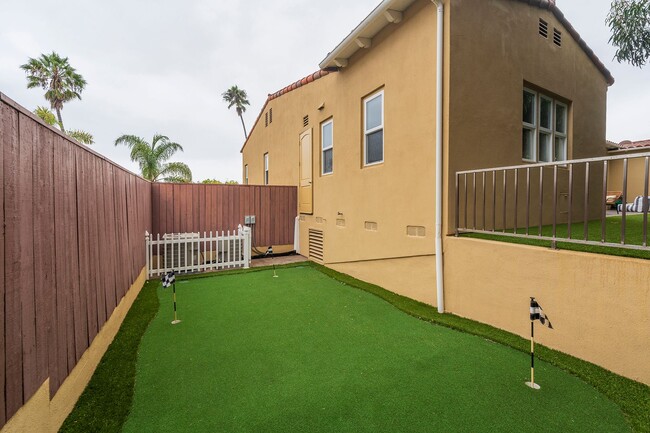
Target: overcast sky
[161,66]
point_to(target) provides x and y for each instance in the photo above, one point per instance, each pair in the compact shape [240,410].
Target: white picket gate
[191,252]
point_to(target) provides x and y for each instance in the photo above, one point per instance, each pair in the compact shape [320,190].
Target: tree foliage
[629,21]
[236,97]
[218,182]
[46,115]
[60,81]
[152,158]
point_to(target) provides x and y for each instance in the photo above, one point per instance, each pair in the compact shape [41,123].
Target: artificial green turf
[633,236]
[305,352]
[105,403]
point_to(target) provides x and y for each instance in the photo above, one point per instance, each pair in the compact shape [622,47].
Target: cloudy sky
[161,66]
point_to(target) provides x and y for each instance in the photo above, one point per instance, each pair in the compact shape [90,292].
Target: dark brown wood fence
[72,244]
[180,208]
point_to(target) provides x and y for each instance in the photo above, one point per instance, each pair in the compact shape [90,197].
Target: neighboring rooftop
[628,145]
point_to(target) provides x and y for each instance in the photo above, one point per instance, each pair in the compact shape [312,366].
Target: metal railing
[191,252]
[557,201]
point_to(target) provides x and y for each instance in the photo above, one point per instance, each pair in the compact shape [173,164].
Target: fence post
[147,245]
[247,247]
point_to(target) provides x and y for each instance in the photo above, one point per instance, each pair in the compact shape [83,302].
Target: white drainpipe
[439,174]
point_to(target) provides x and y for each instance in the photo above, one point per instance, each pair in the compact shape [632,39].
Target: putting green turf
[306,353]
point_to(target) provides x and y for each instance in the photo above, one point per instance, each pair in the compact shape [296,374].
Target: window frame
[245,174]
[538,129]
[323,149]
[367,132]
[266,168]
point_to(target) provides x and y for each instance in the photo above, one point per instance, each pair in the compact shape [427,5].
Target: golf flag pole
[169,279]
[269,250]
[175,321]
[536,313]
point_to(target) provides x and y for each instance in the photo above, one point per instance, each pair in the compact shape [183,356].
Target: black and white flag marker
[536,313]
[169,279]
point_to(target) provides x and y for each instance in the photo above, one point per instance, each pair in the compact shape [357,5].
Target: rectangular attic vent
[557,37]
[266,119]
[543,28]
[305,121]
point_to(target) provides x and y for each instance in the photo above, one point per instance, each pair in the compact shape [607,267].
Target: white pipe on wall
[439,173]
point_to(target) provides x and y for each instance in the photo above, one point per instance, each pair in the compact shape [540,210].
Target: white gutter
[439,173]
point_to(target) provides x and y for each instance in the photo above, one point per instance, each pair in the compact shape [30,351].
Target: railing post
[603,213]
[554,242]
[624,215]
[586,203]
[570,216]
[645,203]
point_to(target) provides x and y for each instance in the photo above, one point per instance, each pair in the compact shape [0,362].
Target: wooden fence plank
[10,368]
[110,233]
[99,257]
[26,283]
[13,245]
[44,250]
[5,128]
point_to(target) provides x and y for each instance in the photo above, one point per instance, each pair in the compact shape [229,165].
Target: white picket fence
[191,252]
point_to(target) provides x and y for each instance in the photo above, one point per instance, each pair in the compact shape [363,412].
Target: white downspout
[439,173]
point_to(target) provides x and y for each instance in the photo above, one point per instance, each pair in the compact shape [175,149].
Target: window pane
[545,149]
[560,118]
[327,135]
[328,162]
[545,112]
[528,145]
[560,149]
[373,112]
[375,147]
[529,108]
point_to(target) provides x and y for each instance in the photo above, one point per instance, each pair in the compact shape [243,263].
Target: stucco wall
[413,277]
[489,69]
[635,176]
[598,304]
[395,194]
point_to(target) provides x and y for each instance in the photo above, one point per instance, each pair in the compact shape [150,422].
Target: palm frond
[81,136]
[46,115]
[177,171]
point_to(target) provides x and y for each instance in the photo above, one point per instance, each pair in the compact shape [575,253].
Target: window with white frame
[373,110]
[246,174]
[266,169]
[327,146]
[544,128]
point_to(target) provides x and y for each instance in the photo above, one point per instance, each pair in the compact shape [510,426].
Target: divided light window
[266,168]
[373,110]
[544,128]
[327,147]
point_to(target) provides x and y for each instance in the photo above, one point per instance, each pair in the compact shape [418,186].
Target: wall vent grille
[270,115]
[266,119]
[557,37]
[305,121]
[316,245]
[543,28]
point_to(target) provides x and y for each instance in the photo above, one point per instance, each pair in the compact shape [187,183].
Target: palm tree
[60,81]
[48,117]
[237,97]
[152,157]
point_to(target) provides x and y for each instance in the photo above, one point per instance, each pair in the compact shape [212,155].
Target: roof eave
[386,13]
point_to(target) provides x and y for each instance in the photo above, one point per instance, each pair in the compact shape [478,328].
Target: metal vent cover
[543,28]
[316,245]
[305,121]
[557,37]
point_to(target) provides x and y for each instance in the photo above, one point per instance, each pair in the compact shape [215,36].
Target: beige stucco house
[360,136]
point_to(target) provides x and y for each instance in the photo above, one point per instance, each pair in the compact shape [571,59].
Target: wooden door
[305,192]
